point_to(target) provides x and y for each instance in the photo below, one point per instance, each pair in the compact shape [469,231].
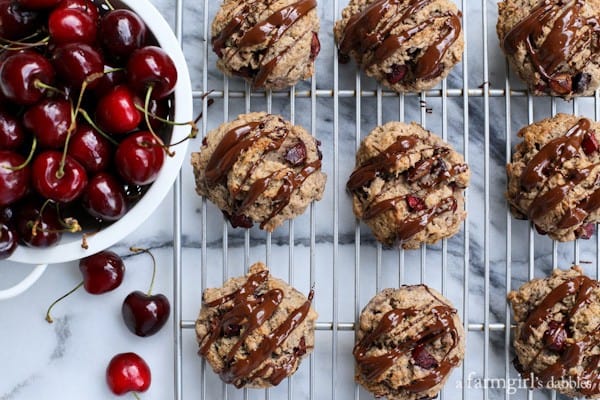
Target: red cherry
[49,120]
[69,25]
[47,182]
[8,241]
[38,4]
[122,31]
[86,6]
[104,198]
[151,66]
[11,132]
[75,62]
[102,272]
[14,184]
[128,372]
[145,314]
[139,158]
[48,227]
[589,143]
[116,112]
[20,76]
[16,21]
[109,80]
[90,148]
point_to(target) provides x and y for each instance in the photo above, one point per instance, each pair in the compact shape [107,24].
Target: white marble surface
[67,360]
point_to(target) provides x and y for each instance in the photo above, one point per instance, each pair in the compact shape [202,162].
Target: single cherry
[116,112]
[11,131]
[49,120]
[25,76]
[76,62]
[58,181]
[151,68]
[128,372]
[104,198]
[8,240]
[37,227]
[15,177]
[145,313]
[122,31]
[112,77]
[102,272]
[16,21]
[139,158]
[90,148]
[70,25]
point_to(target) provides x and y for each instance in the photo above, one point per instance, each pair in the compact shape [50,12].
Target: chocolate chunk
[239,220]
[589,143]
[581,82]
[540,230]
[561,84]
[296,154]
[315,46]
[246,72]
[204,141]
[415,203]
[300,350]
[343,58]
[231,330]
[397,73]
[423,358]
[555,336]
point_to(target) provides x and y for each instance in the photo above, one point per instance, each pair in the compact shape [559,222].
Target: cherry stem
[15,45]
[135,395]
[109,5]
[89,120]
[140,250]
[41,85]
[147,119]
[28,160]
[61,168]
[48,317]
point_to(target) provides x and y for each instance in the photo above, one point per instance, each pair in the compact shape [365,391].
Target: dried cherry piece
[415,203]
[555,336]
[589,143]
[586,231]
[423,358]
[315,46]
[296,154]
[397,73]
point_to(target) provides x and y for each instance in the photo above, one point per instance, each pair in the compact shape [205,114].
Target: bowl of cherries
[95,110]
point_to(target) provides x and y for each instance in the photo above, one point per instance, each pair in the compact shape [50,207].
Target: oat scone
[407,45]
[552,45]
[272,44]
[408,342]
[260,169]
[408,185]
[557,339]
[255,330]
[554,177]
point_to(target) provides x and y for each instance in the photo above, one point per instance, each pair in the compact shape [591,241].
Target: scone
[255,330]
[259,168]
[408,342]
[553,179]
[552,45]
[557,339]
[407,45]
[270,44]
[408,185]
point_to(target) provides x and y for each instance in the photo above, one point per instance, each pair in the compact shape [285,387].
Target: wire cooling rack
[478,109]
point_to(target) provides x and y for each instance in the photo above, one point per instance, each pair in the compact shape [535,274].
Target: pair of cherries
[83,92]
[144,315]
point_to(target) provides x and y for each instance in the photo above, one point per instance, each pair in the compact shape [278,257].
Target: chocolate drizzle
[566,38]
[441,327]
[548,162]
[427,174]
[233,144]
[269,30]
[366,35]
[251,306]
[580,288]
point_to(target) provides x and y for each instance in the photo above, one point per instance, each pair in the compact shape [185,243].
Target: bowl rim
[69,248]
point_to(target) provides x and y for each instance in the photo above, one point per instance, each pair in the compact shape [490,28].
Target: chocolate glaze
[409,227]
[270,29]
[371,367]
[581,287]
[230,148]
[365,33]
[251,306]
[565,39]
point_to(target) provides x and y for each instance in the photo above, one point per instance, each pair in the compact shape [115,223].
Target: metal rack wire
[499,267]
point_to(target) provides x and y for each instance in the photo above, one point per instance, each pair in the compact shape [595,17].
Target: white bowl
[69,248]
